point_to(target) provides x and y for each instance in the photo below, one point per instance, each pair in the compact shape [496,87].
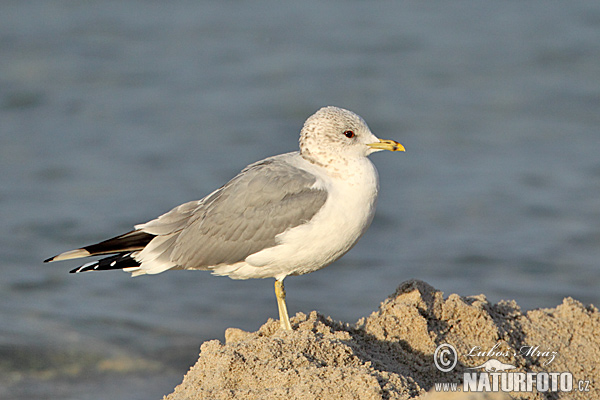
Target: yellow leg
[284,319]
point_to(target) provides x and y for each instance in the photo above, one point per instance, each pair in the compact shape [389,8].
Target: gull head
[335,133]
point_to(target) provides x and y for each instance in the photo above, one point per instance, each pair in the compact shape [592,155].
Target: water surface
[114,112]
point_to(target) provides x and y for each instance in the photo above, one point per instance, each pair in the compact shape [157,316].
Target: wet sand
[390,354]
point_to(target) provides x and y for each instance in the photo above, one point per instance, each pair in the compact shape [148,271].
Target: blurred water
[114,112]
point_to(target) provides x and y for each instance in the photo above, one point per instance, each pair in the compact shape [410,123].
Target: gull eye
[349,134]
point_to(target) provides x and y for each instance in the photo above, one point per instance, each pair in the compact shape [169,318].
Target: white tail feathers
[68,255]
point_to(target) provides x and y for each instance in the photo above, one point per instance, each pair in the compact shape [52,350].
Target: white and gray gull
[290,214]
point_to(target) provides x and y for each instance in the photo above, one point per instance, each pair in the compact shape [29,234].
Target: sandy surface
[390,354]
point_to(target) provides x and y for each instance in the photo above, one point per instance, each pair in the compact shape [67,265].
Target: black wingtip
[49,259]
[118,261]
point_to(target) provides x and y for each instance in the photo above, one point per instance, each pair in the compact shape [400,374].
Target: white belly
[333,231]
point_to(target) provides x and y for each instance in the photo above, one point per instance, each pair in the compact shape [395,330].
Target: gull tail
[124,245]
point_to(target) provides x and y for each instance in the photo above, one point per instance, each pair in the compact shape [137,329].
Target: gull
[290,214]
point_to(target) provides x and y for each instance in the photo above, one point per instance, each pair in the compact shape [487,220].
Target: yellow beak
[385,144]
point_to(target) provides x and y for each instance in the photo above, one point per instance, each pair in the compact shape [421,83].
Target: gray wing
[241,218]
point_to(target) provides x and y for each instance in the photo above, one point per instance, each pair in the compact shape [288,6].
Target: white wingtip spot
[86,267]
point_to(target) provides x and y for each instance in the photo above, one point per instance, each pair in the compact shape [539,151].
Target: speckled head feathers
[334,132]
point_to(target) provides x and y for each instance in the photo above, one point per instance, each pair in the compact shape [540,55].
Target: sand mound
[390,354]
